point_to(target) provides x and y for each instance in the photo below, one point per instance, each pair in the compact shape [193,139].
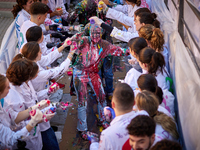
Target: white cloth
[162,133]
[40,82]
[26,25]
[116,135]
[121,17]
[123,35]
[53,4]
[132,76]
[16,101]
[22,16]
[165,111]
[50,57]
[31,98]
[168,101]
[166,57]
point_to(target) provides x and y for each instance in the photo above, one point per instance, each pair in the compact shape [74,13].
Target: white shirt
[119,15]
[16,101]
[55,4]
[8,137]
[132,76]
[116,135]
[123,35]
[26,25]
[31,98]
[22,16]
[40,82]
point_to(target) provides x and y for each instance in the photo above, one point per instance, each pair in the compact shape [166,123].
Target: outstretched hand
[97,20]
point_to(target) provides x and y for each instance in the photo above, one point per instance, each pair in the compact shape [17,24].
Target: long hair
[153,35]
[18,7]
[155,60]
[149,102]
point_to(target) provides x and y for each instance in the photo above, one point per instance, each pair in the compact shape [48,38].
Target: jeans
[49,140]
[107,72]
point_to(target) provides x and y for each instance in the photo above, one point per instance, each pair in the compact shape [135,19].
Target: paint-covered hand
[41,105]
[67,42]
[132,61]
[97,20]
[47,116]
[36,118]
[79,28]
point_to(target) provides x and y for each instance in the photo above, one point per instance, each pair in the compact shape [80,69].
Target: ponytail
[149,18]
[148,82]
[155,22]
[18,7]
[30,50]
[153,35]
[157,61]
[149,102]
[154,60]
[137,2]
[167,123]
[159,94]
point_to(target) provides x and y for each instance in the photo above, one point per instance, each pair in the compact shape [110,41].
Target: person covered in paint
[91,52]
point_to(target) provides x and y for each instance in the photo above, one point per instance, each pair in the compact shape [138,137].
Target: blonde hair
[153,35]
[149,102]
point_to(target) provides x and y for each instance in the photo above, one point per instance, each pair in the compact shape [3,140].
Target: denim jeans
[49,140]
[107,73]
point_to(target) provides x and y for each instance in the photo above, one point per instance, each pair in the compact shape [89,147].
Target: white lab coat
[41,81]
[132,76]
[50,57]
[31,98]
[55,4]
[16,101]
[8,137]
[121,16]
[26,25]
[22,16]
[116,135]
[123,35]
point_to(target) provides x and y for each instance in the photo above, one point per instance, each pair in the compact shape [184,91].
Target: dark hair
[2,83]
[38,8]
[18,7]
[19,71]
[34,34]
[30,50]
[141,126]
[124,96]
[155,60]
[137,2]
[148,82]
[166,145]
[149,18]
[140,10]
[34,71]
[137,44]
[153,35]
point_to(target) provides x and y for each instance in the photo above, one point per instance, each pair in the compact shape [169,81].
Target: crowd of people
[137,113]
